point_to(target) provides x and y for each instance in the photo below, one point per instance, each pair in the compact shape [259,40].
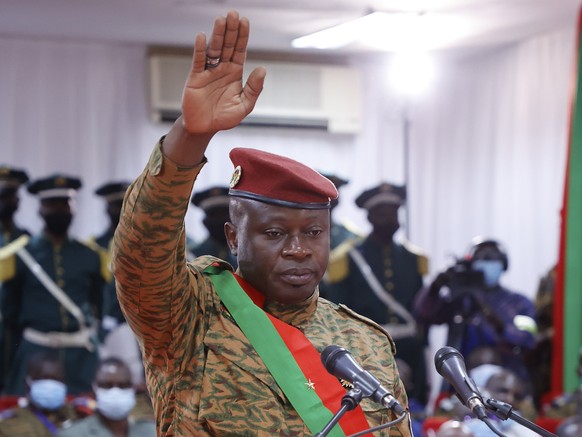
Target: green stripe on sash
[265,339]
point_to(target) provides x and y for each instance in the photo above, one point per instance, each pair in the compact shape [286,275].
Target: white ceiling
[274,23]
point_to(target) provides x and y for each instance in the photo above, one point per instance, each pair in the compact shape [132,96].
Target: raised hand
[214,97]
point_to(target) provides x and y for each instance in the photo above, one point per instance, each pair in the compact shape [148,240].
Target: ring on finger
[212,62]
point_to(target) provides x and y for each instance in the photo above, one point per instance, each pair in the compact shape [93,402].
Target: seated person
[44,410]
[115,400]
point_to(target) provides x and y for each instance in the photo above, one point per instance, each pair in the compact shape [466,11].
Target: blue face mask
[48,394]
[115,403]
[491,269]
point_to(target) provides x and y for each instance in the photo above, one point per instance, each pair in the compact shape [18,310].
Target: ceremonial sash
[292,360]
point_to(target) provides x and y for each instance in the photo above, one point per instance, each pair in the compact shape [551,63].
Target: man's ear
[231,237]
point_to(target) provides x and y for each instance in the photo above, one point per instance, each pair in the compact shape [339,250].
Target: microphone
[450,365]
[340,363]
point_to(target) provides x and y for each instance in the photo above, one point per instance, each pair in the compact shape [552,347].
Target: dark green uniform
[26,303]
[9,338]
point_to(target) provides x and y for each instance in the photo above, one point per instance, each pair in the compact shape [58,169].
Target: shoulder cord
[396,330]
[48,282]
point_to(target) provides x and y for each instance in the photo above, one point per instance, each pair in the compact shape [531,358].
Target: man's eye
[273,234]
[315,232]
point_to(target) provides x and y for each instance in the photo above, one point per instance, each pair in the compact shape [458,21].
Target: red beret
[278,180]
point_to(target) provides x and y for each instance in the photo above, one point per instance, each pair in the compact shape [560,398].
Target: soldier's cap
[55,186]
[278,180]
[383,194]
[337,180]
[11,177]
[211,198]
[113,191]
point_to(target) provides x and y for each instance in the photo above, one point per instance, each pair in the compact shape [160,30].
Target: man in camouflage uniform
[207,370]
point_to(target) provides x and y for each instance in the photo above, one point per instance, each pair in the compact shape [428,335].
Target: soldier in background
[342,239]
[112,193]
[340,232]
[56,299]
[214,204]
[11,179]
[45,410]
[381,278]
[116,338]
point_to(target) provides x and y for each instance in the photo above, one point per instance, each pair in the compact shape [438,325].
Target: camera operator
[479,311]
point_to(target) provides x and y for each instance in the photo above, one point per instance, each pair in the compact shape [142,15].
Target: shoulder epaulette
[8,257]
[201,262]
[358,233]
[339,261]
[368,322]
[104,255]
[92,244]
[421,254]
[413,248]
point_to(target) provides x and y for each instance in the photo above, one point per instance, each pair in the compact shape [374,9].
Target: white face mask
[48,394]
[491,269]
[115,403]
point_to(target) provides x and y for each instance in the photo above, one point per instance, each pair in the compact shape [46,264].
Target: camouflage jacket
[203,375]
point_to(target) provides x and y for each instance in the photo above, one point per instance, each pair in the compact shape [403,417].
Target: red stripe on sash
[326,386]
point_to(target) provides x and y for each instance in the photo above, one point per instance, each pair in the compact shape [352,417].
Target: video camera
[462,279]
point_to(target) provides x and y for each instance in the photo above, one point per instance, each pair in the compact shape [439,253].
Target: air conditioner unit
[296,94]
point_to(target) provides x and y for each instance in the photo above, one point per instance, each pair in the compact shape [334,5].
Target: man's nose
[296,246]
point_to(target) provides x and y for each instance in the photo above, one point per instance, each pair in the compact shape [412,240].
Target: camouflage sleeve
[155,290]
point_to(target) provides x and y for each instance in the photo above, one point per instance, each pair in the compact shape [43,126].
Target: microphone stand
[505,411]
[350,401]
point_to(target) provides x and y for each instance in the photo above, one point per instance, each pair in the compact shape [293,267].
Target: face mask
[58,223]
[115,403]
[491,269]
[48,394]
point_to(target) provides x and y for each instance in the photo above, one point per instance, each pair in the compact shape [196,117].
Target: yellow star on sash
[310,385]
